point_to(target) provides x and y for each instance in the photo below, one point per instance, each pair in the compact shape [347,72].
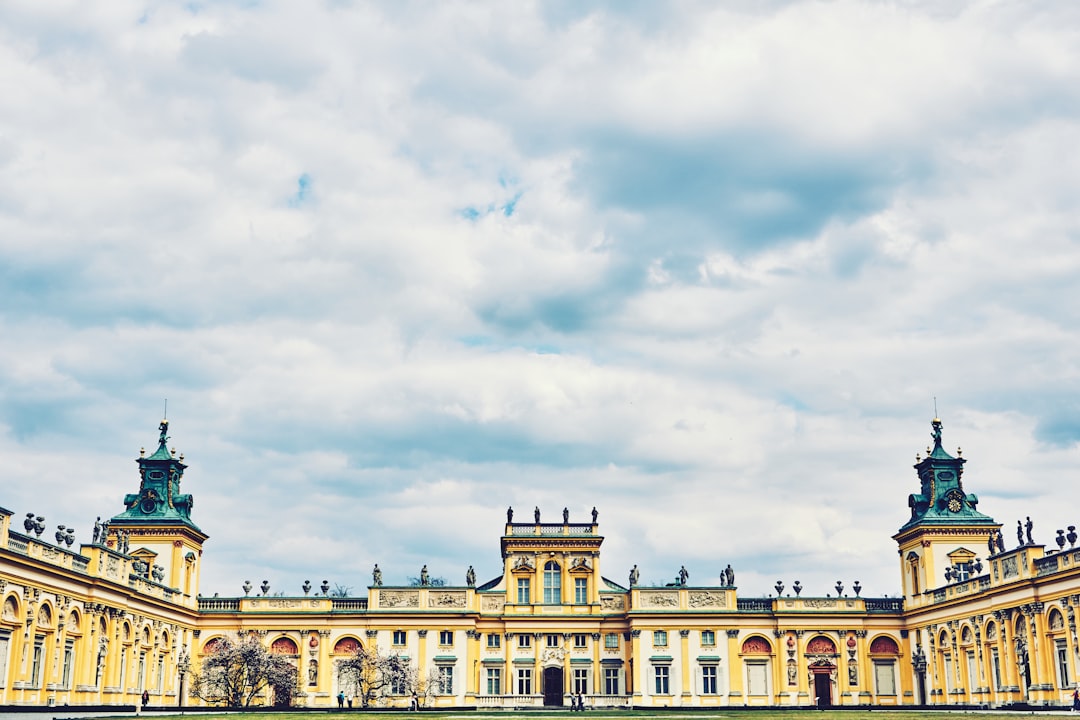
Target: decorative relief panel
[707,598]
[612,602]
[112,567]
[659,599]
[885,645]
[399,599]
[492,603]
[819,603]
[756,645]
[821,646]
[1009,567]
[446,600]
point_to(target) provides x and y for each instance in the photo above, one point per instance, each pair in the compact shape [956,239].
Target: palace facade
[101,623]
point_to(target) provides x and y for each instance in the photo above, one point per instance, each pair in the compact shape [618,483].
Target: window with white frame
[399,637]
[708,637]
[494,640]
[611,681]
[524,595]
[885,677]
[36,664]
[611,641]
[757,678]
[446,637]
[662,679]
[581,590]
[524,640]
[494,681]
[579,640]
[524,681]
[659,638]
[69,659]
[1061,652]
[581,681]
[552,583]
[708,679]
[446,679]
[552,640]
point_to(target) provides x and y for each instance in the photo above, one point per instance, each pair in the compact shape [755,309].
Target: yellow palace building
[100,623]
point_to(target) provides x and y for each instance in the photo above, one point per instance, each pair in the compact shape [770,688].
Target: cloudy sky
[397,266]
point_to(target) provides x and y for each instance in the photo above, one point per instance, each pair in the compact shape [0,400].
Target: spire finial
[936,433]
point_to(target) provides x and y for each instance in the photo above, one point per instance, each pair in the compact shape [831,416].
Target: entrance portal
[553,687]
[823,689]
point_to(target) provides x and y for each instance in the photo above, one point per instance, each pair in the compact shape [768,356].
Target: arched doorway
[553,687]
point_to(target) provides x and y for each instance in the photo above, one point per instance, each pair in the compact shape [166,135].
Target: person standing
[341,699]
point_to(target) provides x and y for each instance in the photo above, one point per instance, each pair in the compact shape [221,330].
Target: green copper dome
[159,499]
[942,500]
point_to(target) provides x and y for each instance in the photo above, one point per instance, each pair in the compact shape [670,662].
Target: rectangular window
[581,590]
[524,595]
[446,637]
[35,666]
[69,657]
[708,679]
[141,683]
[552,640]
[446,679]
[757,678]
[885,677]
[524,640]
[611,681]
[524,681]
[161,674]
[972,671]
[397,684]
[552,583]
[708,637]
[494,681]
[611,640]
[659,637]
[1062,653]
[581,681]
[399,637]
[579,640]
[662,676]
[948,674]
[996,662]
[494,640]
[5,645]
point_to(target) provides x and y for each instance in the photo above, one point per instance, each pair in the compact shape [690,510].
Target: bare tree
[371,674]
[341,591]
[238,670]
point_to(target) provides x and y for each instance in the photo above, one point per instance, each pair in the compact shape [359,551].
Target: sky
[396,266]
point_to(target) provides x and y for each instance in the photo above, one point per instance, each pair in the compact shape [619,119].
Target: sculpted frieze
[612,602]
[707,598]
[659,599]
[446,600]
[399,599]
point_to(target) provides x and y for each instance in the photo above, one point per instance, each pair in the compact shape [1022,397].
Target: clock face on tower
[954,501]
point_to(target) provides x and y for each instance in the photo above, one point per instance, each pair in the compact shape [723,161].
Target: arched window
[552,583]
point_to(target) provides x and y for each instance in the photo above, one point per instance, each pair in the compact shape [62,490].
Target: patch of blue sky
[744,192]
[303,191]
[508,208]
